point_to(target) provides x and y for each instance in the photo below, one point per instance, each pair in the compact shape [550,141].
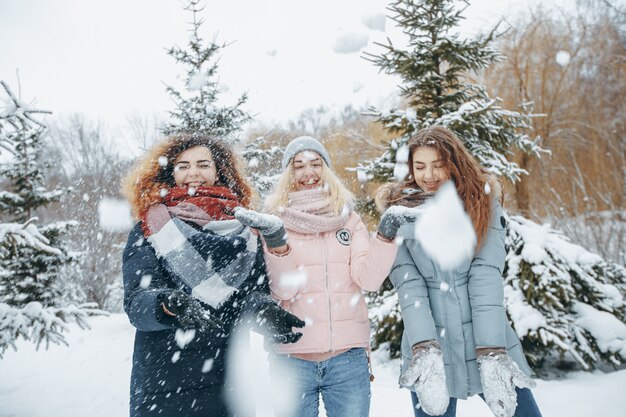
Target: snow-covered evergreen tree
[562,297]
[436,67]
[197,110]
[30,257]
[562,291]
[263,159]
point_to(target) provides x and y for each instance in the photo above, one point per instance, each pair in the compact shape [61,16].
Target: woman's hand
[393,218]
[427,374]
[278,323]
[189,312]
[499,375]
[271,227]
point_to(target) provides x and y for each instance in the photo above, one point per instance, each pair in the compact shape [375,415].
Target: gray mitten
[499,375]
[393,218]
[427,374]
[269,226]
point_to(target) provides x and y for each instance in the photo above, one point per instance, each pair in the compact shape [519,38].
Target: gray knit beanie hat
[304,143]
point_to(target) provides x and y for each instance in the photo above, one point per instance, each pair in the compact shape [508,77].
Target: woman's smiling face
[195,167]
[428,169]
[307,170]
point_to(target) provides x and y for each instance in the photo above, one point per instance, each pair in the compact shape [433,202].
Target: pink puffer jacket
[320,280]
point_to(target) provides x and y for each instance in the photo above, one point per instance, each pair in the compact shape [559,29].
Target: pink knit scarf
[309,211]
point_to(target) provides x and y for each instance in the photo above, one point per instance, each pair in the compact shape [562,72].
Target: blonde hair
[338,193]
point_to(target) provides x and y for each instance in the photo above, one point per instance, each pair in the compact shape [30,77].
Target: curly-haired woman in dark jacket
[192,273]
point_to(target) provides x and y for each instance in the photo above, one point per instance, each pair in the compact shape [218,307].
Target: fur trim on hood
[141,187]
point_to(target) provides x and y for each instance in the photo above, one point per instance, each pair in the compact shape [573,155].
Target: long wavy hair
[155,171]
[469,177]
[337,192]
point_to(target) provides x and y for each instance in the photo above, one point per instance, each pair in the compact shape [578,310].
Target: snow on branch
[560,295]
[40,324]
[26,234]
[16,119]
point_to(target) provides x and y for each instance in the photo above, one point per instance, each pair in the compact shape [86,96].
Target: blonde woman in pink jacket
[318,269]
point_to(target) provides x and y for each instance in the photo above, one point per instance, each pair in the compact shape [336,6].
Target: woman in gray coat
[457,341]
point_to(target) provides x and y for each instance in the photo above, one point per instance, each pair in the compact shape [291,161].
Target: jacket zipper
[330,318]
[445,321]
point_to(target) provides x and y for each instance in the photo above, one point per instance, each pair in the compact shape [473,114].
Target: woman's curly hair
[154,172]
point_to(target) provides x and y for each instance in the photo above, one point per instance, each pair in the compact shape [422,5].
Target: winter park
[283,208]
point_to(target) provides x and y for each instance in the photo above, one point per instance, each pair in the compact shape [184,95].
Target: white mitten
[499,375]
[426,373]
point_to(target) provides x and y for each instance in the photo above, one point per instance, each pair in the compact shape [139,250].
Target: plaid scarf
[211,260]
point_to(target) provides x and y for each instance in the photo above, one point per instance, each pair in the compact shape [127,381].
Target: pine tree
[196,108]
[561,297]
[436,68]
[263,157]
[31,257]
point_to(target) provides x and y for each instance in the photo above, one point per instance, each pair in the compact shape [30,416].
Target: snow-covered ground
[91,378]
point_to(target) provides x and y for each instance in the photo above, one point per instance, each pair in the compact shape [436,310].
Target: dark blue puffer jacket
[168,380]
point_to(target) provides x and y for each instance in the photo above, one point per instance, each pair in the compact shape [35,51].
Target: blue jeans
[526,405]
[343,381]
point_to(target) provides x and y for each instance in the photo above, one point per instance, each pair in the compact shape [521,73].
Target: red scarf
[217,202]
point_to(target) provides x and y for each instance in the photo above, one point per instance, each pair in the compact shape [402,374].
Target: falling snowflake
[184,337]
[207,366]
[145,281]
[355,299]
[253,162]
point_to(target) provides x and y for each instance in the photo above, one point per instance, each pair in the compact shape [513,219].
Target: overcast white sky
[106,59]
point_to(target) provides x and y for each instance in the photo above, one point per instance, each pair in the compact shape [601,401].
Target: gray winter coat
[464,313]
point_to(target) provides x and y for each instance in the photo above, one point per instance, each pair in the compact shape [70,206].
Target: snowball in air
[445,230]
[348,43]
[562,58]
[184,337]
[197,81]
[207,366]
[355,299]
[375,21]
[295,279]
[145,281]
